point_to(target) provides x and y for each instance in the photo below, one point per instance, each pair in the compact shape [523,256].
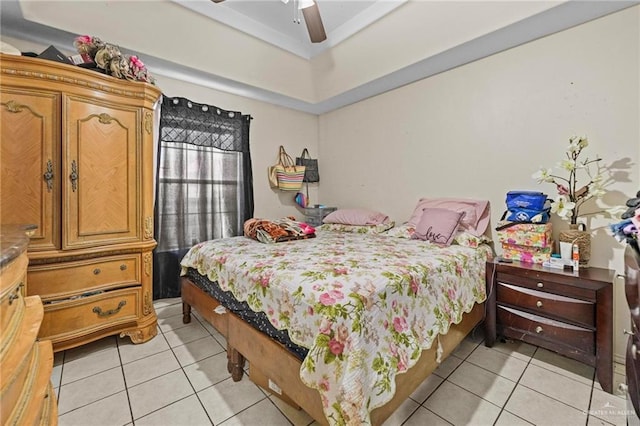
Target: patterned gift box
[526,254]
[526,234]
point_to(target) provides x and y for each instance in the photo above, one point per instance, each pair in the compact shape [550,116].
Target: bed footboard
[274,368]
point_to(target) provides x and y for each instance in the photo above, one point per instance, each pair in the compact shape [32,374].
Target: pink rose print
[336,347]
[326,299]
[400,324]
[324,384]
[343,333]
[331,297]
[340,271]
[325,326]
[414,286]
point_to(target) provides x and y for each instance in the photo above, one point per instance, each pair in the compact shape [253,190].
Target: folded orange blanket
[286,229]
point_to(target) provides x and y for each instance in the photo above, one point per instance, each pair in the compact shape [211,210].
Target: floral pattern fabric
[358,229]
[364,305]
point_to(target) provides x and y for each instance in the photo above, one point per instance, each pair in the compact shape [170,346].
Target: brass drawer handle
[538,329]
[74,176]
[96,271]
[540,285]
[48,175]
[123,267]
[16,294]
[539,304]
[110,312]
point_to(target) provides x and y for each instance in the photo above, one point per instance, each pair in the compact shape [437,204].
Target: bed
[357,321]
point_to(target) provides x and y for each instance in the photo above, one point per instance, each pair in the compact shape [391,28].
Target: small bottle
[575,255]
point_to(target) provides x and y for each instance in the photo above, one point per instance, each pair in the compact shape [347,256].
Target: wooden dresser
[571,314]
[632,361]
[76,159]
[26,394]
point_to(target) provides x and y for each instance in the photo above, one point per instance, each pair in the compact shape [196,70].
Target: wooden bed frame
[275,369]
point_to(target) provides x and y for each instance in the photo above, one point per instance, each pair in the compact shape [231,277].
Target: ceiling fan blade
[314,23]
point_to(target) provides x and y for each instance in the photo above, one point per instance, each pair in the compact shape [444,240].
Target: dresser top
[13,242]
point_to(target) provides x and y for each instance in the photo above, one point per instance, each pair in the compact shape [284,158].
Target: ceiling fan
[312,19]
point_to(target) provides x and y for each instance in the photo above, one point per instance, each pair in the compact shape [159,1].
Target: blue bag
[530,200]
[525,207]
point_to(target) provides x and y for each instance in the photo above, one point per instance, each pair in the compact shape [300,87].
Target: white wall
[483,129]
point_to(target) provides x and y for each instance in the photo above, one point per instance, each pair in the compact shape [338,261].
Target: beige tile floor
[180,378]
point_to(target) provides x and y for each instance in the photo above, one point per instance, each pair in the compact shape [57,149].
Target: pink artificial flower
[400,324]
[136,62]
[336,347]
[84,39]
[562,190]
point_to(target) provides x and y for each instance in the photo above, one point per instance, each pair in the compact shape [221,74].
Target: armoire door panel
[101,165]
[30,164]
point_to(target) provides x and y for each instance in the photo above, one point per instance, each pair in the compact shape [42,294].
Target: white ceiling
[361,33]
[273,20]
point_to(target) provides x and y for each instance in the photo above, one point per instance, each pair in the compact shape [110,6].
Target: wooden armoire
[76,160]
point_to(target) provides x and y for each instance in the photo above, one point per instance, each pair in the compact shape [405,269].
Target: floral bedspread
[364,305]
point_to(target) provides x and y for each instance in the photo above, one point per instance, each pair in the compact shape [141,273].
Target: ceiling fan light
[303,4]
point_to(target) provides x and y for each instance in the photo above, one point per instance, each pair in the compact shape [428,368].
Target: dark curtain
[204,185]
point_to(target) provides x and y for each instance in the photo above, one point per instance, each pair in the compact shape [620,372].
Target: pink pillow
[438,226]
[356,217]
[476,212]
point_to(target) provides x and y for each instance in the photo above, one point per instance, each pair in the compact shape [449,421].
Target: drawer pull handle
[539,304]
[634,352]
[538,329]
[540,285]
[96,271]
[622,388]
[627,332]
[110,312]
[123,267]
[13,296]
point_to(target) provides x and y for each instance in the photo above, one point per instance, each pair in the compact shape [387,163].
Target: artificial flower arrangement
[571,195]
[109,59]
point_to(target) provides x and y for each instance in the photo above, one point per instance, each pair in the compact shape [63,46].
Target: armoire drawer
[76,317]
[544,332]
[548,304]
[63,280]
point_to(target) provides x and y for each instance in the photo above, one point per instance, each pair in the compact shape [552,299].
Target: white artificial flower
[596,189]
[583,142]
[562,207]
[543,175]
[567,165]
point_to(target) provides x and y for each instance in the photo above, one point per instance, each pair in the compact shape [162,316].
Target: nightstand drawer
[546,332]
[547,304]
[548,285]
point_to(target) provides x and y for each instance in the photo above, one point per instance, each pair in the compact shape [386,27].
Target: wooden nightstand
[571,314]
